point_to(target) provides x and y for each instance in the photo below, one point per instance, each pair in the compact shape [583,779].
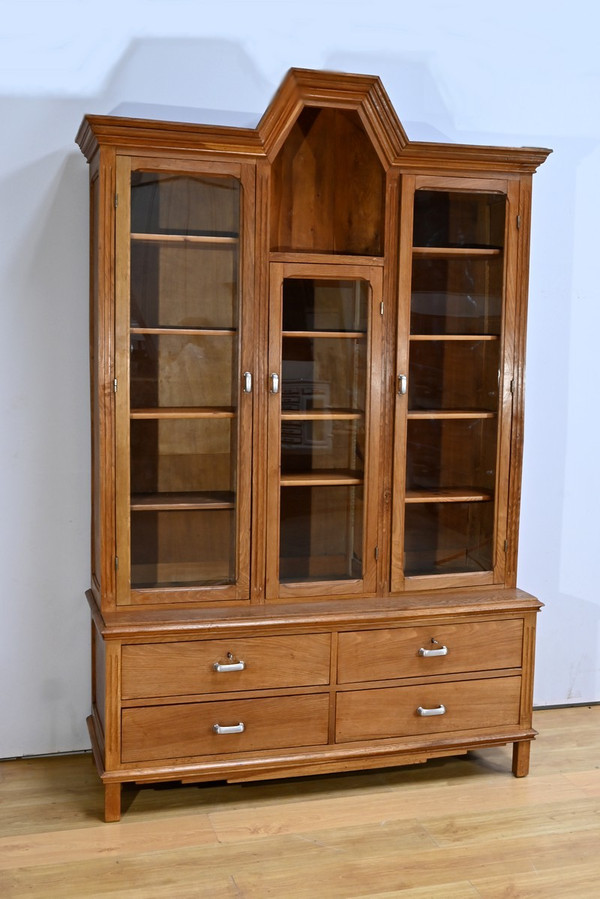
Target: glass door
[324,383]
[183,401]
[454,394]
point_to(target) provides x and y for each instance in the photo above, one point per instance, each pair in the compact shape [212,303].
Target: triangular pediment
[363,94]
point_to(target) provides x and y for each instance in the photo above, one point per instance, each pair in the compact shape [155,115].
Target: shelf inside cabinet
[448,495]
[164,502]
[207,239]
[322,415]
[471,338]
[336,334]
[321,478]
[186,332]
[456,414]
[184,412]
[448,252]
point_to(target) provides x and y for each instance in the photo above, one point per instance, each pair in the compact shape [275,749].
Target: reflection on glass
[454,375]
[184,378]
[323,401]
[456,296]
[447,454]
[182,548]
[321,533]
[448,538]
[452,219]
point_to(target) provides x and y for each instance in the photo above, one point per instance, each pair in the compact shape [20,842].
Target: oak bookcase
[307,360]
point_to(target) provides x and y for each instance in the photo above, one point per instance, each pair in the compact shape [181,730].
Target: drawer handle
[428,653]
[230,665]
[431,713]
[232,729]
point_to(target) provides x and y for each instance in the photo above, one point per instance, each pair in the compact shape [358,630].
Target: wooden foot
[112,802]
[521,752]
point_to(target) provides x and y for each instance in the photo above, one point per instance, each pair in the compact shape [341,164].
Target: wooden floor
[453,828]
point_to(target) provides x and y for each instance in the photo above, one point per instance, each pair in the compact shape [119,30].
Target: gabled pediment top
[363,93]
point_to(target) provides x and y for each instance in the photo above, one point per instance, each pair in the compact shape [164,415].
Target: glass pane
[323,401]
[453,375]
[183,370]
[182,455]
[452,219]
[184,204]
[182,548]
[321,533]
[184,378]
[448,538]
[461,295]
[450,454]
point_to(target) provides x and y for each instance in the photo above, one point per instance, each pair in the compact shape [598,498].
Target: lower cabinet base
[319,761]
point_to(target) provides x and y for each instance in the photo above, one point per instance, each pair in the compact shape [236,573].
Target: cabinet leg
[112,802]
[521,753]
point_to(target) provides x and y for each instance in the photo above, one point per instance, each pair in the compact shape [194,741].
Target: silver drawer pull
[232,729]
[428,653]
[274,383]
[229,666]
[431,713]
[247,382]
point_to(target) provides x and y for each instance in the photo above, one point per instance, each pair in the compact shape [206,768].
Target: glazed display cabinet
[307,362]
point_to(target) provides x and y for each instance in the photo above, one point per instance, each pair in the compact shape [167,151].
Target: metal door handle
[431,713]
[274,383]
[232,729]
[402,381]
[247,382]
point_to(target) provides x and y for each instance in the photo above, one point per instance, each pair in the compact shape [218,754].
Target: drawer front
[393,711]
[254,663]
[429,649]
[181,731]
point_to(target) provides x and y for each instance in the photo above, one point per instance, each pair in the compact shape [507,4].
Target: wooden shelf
[448,495]
[453,337]
[207,239]
[321,479]
[184,332]
[166,502]
[184,412]
[448,252]
[335,334]
[446,414]
[322,415]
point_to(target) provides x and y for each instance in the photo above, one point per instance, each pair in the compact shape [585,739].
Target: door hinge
[376,553]
[381,308]
[505,545]
[116,200]
[116,563]
[512,386]
[115,385]
[518,222]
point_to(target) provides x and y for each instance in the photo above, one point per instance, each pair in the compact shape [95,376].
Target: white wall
[516,73]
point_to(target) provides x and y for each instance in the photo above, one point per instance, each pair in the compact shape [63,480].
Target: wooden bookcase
[307,358]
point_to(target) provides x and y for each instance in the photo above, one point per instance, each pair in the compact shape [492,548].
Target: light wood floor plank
[454,828]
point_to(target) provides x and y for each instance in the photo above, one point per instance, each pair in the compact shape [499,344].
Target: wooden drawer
[185,668]
[392,711]
[181,731]
[395,652]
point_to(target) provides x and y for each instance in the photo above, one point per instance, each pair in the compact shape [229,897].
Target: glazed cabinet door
[325,372]
[454,371]
[183,366]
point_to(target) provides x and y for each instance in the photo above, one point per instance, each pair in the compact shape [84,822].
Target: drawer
[184,730]
[253,663]
[449,649]
[392,711]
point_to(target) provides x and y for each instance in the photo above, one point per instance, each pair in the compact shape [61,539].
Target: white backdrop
[524,72]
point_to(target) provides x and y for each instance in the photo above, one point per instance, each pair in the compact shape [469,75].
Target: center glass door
[324,385]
